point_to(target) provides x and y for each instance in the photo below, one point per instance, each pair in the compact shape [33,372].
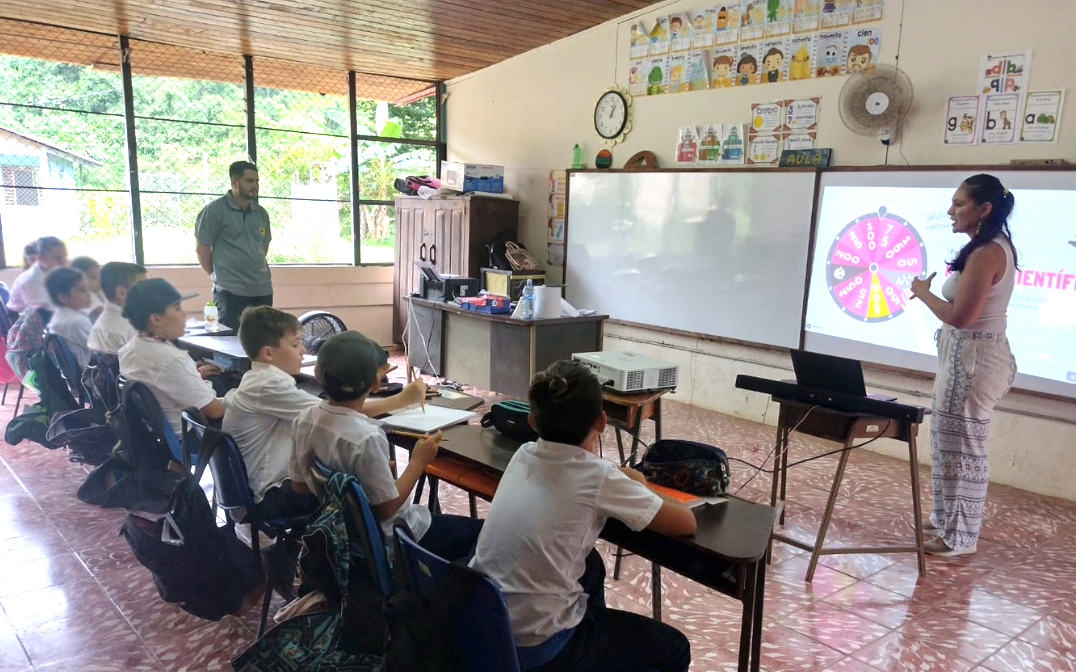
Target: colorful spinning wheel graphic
[871,265]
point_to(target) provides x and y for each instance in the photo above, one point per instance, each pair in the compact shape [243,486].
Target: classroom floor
[73,597]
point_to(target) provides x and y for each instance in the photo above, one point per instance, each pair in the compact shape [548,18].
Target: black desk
[223,350]
[736,533]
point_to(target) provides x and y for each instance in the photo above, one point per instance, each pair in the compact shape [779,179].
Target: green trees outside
[189,131]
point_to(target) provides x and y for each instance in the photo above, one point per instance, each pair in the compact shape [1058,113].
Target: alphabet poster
[1005,73]
[829,53]
[1042,114]
[961,120]
[999,118]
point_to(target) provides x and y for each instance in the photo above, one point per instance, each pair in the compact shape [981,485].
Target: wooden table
[733,534]
[627,411]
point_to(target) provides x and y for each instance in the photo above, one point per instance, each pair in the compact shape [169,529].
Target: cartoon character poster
[1000,112]
[800,141]
[680,33]
[727,23]
[1004,73]
[829,53]
[801,115]
[1042,114]
[961,120]
[863,46]
[659,36]
[710,144]
[836,13]
[778,17]
[702,23]
[806,16]
[655,75]
[800,57]
[732,140]
[867,11]
[723,67]
[639,39]
[774,65]
[753,20]
[697,72]
[637,74]
[687,145]
[678,76]
[747,61]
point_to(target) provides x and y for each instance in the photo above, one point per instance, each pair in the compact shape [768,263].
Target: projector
[625,371]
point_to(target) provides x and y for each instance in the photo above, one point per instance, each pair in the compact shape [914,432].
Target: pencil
[413,435]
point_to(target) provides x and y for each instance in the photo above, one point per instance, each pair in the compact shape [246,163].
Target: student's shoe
[938,547]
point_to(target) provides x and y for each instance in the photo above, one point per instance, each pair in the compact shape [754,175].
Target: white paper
[1042,116]
[1000,112]
[414,419]
[961,120]
[1005,73]
[568,309]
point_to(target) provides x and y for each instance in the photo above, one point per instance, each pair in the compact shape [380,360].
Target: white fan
[876,101]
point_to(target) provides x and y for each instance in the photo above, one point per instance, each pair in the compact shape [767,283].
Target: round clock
[612,115]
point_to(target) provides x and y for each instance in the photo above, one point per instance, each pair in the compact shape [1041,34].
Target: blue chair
[231,489]
[367,542]
[63,371]
[483,629]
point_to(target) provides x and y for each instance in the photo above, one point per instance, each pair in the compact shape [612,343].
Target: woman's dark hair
[565,401]
[61,281]
[983,188]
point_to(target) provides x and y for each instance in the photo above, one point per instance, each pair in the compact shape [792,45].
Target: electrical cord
[759,469]
[814,457]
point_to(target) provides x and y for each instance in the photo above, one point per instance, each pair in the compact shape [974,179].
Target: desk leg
[820,542]
[655,590]
[619,444]
[917,509]
[747,622]
[418,489]
[657,419]
[777,482]
[756,634]
[636,431]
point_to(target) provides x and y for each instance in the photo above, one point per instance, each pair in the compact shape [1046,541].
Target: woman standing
[975,365]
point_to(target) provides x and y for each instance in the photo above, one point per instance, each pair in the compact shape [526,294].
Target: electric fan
[875,101]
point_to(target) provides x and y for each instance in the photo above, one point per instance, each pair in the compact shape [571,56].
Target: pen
[414,435]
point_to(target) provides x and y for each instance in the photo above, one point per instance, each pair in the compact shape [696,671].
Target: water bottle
[527,300]
[577,157]
[211,323]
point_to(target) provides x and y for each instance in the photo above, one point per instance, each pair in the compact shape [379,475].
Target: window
[19,183]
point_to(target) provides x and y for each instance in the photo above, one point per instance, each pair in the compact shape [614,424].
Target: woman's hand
[921,286]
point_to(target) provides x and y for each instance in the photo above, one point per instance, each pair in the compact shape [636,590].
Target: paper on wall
[1005,73]
[655,75]
[778,18]
[680,33]
[727,24]
[1000,111]
[868,10]
[829,50]
[774,64]
[801,115]
[732,144]
[752,21]
[637,77]
[806,16]
[710,144]
[863,47]
[767,118]
[555,253]
[639,38]
[659,36]
[836,13]
[677,77]
[555,229]
[702,23]
[687,145]
[723,67]
[748,56]
[764,150]
[697,73]
[800,140]
[961,120]
[1042,116]
[800,57]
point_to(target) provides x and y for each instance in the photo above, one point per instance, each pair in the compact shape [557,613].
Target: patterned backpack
[26,337]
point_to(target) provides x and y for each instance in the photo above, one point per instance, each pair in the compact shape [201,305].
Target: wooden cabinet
[451,233]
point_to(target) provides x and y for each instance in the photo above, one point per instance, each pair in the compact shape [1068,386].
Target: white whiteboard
[722,253]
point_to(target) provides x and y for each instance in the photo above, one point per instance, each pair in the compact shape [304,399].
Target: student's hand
[414,393]
[426,449]
[208,370]
[633,475]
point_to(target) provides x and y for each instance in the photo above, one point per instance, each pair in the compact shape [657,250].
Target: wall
[360,296]
[527,113]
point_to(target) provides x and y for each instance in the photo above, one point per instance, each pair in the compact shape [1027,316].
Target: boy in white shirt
[89,267]
[112,330]
[153,309]
[28,289]
[259,413]
[337,433]
[70,293]
[538,540]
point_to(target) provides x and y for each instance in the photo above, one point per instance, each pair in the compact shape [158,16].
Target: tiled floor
[73,598]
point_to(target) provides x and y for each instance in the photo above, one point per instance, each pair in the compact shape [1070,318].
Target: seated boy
[153,309]
[89,267]
[336,432]
[538,540]
[112,330]
[29,290]
[70,293]
[259,413]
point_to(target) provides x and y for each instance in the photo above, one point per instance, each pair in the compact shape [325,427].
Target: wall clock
[612,115]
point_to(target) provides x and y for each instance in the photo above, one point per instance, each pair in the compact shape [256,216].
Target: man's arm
[206,228]
[205,257]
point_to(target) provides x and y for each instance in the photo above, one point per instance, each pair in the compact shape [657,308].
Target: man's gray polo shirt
[238,238]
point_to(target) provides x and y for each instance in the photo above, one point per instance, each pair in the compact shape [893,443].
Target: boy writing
[70,294]
[336,432]
[112,330]
[538,540]
[152,358]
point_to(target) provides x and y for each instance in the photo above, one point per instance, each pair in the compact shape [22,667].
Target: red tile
[826,581]
[994,612]
[850,665]
[78,599]
[1023,591]
[859,565]
[45,543]
[1052,634]
[126,658]
[71,637]
[209,647]
[877,604]
[904,652]
[785,650]
[1020,656]
[949,632]
[834,627]
[37,574]
[12,655]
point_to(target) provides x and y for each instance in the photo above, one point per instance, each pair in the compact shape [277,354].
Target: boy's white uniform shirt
[111,331]
[29,290]
[74,327]
[169,373]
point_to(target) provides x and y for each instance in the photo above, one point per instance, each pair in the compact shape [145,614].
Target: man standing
[233,235]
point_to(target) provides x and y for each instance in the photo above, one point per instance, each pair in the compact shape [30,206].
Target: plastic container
[526,298]
[211,323]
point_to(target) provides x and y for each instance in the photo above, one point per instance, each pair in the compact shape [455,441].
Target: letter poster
[999,118]
[1005,73]
[961,120]
[637,77]
[659,36]
[687,145]
[710,144]
[678,75]
[680,33]
[1042,114]
[868,10]
[747,60]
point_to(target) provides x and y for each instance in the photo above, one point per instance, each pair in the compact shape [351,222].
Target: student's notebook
[414,419]
[686,498]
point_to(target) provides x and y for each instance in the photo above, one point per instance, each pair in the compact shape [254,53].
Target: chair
[148,426]
[483,629]
[316,326]
[231,490]
[367,542]
[66,372]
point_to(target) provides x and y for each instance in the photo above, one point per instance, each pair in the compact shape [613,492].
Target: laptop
[833,374]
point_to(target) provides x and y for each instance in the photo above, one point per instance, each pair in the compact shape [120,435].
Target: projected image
[871,265]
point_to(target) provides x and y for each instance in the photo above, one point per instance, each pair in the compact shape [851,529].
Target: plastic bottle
[577,157]
[527,299]
[211,323]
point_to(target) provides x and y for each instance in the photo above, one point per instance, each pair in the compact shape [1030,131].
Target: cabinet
[449,232]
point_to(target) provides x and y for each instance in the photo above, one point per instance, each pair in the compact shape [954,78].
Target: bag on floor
[32,423]
[84,434]
[510,418]
[688,466]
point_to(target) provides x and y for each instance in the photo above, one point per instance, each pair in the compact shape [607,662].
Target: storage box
[509,283]
[472,177]
[487,303]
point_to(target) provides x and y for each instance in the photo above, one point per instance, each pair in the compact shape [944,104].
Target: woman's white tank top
[992,319]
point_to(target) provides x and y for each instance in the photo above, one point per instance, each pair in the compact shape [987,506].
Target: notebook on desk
[414,419]
[833,374]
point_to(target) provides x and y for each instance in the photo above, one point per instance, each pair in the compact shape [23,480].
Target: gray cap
[348,363]
[148,297]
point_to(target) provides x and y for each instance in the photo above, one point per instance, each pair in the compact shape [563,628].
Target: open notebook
[413,419]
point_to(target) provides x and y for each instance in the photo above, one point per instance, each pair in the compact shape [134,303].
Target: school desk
[727,553]
[223,350]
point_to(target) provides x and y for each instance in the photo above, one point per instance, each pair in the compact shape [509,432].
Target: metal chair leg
[3,400]
[472,501]
[18,400]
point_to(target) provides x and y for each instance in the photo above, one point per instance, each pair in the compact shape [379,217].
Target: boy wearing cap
[153,309]
[337,433]
[112,330]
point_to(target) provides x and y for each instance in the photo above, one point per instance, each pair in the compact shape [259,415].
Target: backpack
[689,466]
[410,185]
[510,418]
[26,337]
[88,432]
